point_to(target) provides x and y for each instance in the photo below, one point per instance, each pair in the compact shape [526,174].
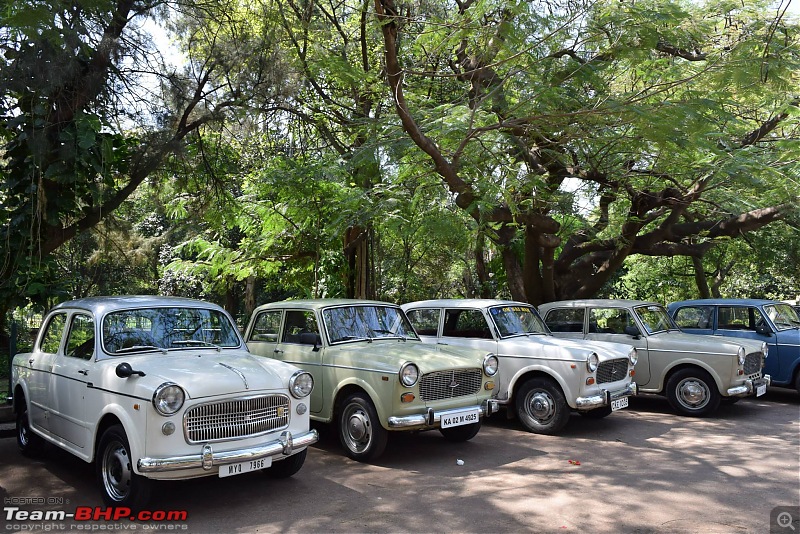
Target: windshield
[654,318]
[150,329]
[517,320]
[783,316]
[349,323]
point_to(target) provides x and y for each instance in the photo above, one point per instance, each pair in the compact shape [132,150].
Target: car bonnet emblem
[238,372]
[453,384]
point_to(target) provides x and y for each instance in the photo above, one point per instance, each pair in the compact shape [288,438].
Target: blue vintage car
[772,321]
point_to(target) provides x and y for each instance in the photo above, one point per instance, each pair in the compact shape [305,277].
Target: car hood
[388,355]
[713,344]
[209,373]
[542,346]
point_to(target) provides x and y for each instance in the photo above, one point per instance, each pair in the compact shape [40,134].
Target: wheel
[288,466]
[597,413]
[692,392]
[541,406]
[121,486]
[360,432]
[461,433]
[29,443]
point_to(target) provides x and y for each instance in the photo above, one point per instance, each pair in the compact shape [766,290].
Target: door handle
[84,372]
[277,351]
[30,362]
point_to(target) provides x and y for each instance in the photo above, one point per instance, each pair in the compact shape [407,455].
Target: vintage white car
[158,388]
[694,372]
[372,374]
[542,378]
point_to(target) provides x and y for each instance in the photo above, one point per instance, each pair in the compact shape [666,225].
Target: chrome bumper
[433,418]
[605,398]
[749,386]
[208,459]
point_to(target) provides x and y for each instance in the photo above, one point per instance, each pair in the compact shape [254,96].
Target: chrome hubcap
[541,406]
[356,428]
[693,393]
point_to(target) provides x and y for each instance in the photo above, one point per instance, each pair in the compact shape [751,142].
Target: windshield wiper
[139,347]
[196,343]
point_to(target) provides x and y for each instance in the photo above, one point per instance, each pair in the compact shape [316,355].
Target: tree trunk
[700,278]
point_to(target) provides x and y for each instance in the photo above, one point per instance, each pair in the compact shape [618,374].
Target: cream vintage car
[543,378]
[155,388]
[372,374]
[694,372]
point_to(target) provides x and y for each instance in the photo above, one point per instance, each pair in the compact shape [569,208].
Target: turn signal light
[407,397]
[590,381]
[633,372]
[488,386]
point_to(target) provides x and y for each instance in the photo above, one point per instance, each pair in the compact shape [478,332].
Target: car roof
[583,303]
[462,303]
[105,304]
[740,302]
[317,304]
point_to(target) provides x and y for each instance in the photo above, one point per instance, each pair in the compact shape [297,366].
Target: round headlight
[168,398]
[490,364]
[633,356]
[741,355]
[592,362]
[300,384]
[409,374]
[764,349]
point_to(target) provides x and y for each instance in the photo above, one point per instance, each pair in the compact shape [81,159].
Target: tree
[677,124]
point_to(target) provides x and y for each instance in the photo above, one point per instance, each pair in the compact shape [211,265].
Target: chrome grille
[752,363]
[612,370]
[450,384]
[236,418]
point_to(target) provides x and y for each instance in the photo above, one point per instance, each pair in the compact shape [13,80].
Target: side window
[426,322]
[267,326]
[51,340]
[694,317]
[466,323]
[80,340]
[300,327]
[609,320]
[565,320]
[738,318]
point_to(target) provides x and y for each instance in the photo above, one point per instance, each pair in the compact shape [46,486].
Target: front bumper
[749,386]
[605,398]
[285,445]
[433,418]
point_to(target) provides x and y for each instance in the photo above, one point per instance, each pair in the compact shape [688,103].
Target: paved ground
[642,470]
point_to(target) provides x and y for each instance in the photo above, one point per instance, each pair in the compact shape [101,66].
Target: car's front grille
[450,384]
[612,370]
[236,418]
[752,363]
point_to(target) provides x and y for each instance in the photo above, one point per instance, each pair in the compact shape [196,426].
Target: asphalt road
[640,470]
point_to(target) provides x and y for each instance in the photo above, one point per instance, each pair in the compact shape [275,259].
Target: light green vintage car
[372,374]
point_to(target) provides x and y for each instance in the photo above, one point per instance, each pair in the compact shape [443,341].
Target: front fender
[133,421]
[569,392]
[383,410]
[686,362]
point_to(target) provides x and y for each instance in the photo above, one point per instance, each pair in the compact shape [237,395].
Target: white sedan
[158,388]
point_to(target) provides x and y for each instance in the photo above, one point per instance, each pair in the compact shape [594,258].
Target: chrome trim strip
[207,459]
[604,399]
[433,418]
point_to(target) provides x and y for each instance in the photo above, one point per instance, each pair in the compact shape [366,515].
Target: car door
[70,388]
[468,328]
[300,344]
[40,364]
[615,325]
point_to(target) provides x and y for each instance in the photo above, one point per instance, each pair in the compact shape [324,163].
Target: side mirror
[124,370]
[633,331]
[764,330]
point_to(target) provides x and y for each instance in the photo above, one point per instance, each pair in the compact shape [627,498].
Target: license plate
[618,404]
[760,390]
[467,417]
[244,467]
